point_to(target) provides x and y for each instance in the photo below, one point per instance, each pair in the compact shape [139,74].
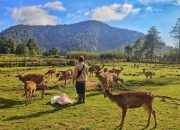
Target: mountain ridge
[86,35]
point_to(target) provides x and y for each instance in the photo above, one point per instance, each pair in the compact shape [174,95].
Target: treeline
[151,48]
[109,55]
[8,46]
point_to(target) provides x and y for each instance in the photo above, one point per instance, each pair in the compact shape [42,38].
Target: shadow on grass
[93,94]
[7,103]
[144,83]
[174,101]
[38,114]
[155,82]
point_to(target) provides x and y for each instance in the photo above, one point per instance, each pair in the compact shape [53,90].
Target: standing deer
[51,72]
[132,99]
[64,75]
[29,88]
[94,68]
[40,80]
[117,71]
[148,75]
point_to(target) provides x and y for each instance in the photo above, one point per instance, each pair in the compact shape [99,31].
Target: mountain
[87,35]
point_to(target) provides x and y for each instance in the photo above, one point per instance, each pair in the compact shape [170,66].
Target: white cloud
[114,12]
[37,14]
[177,2]
[33,15]
[56,5]
[149,8]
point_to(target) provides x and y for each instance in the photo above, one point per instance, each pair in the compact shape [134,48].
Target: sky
[137,15]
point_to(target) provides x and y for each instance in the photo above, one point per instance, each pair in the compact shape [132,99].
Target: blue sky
[137,15]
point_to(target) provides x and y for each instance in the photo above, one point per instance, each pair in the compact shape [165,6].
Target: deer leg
[65,81]
[69,81]
[42,92]
[149,110]
[124,110]
[153,113]
[33,94]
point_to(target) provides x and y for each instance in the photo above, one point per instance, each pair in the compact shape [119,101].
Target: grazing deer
[67,74]
[148,75]
[51,72]
[132,99]
[29,88]
[40,80]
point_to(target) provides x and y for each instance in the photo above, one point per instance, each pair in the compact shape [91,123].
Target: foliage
[32,46]
[22,49]
[128,50]
[7,46]
[54,51]
[175,33]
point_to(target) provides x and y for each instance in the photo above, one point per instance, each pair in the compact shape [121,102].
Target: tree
[54,51]
[175,33]
[128,50]
[153,41]
[22,49]
[7,46]
[32,46]
[46,53]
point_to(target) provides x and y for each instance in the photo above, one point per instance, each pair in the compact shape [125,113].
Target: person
[80,74]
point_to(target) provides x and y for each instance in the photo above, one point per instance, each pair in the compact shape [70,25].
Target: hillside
[88,35]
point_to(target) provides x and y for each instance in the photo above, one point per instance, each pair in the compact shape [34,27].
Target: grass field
[98,113]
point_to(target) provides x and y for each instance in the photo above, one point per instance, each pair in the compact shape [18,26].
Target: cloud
[114,12]
[149,8]
[177,2]
[33,15]
[37,14]
[56,5]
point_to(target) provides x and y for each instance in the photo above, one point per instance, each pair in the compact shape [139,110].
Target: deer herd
[107,78]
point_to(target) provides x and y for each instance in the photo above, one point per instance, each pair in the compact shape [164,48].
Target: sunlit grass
[98,112]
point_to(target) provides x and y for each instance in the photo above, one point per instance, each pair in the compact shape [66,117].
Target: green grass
[98,113]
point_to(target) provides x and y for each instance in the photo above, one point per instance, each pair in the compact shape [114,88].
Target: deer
[51,72]
[94,68]
[132,99]
[107,79]
[148,75]
[29,88]
[67,74]
[116,71]
[40,80]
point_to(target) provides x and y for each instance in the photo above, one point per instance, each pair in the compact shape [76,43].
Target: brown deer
[67,74]
[148,75]
[107,79]
[40,80]
[132,99]
[94,68]
[51,72]
[29,88]
[117,71]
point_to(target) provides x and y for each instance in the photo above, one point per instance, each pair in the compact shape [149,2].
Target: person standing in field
[80,74]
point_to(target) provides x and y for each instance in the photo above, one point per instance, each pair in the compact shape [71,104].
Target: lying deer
[29,88]
[148,75]
[132,99]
